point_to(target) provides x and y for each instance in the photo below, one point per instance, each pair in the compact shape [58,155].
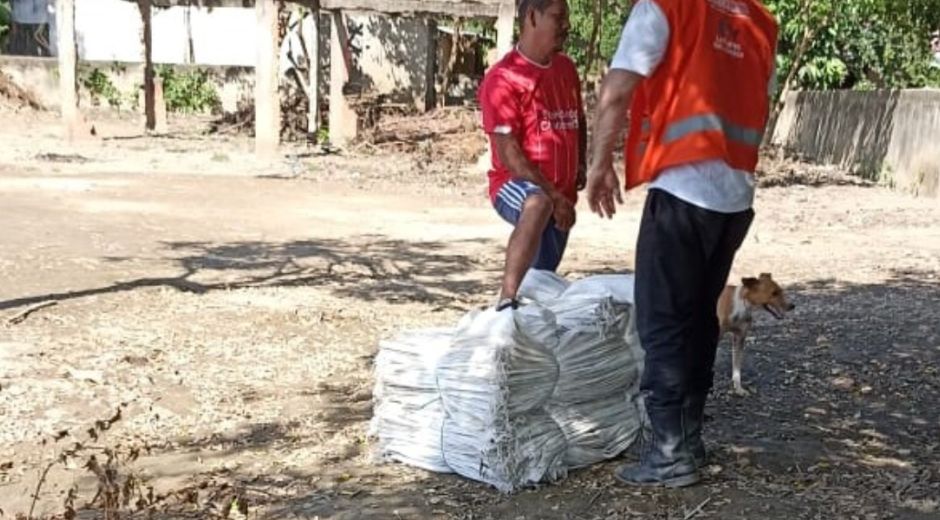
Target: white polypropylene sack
[500,364]
[494,381]
[410,435]
[542,286]
[516,397]
[597,430]
[529,449]
[410,359]
[594,359]
[619,287]
[408,414]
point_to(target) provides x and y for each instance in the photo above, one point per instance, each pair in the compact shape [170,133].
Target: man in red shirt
[532,112]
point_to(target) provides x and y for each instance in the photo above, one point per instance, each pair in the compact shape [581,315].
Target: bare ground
[231,309]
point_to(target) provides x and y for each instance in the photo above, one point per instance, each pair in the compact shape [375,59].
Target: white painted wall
[110,30]
[391,52]
[225,36]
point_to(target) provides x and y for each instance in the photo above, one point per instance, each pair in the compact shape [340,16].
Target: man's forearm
[521,168]
[611,115]
[607,131]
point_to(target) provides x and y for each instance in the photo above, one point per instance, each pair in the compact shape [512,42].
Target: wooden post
[430,69]
[68,56]
[505,24]
[344,124]
[267,98]
[312,38]
[159,107]
[146,16]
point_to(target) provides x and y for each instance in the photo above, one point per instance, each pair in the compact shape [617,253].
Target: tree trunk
[807,39]
[311,46]
[451,61]
[593,44]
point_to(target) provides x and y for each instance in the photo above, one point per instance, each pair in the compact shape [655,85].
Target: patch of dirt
[231,309]
[777,168]
[450,134]
[14,97]
[294,107]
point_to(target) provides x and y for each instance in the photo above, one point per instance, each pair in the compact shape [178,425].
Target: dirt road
[233,307]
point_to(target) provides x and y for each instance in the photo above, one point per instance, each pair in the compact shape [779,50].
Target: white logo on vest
[727,39]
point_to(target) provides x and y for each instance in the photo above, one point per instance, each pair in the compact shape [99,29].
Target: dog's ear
[750,283]
[765,276]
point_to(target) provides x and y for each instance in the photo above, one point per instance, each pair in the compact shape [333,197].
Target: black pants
[683,256]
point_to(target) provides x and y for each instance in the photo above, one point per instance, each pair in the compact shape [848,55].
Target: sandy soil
[231,308]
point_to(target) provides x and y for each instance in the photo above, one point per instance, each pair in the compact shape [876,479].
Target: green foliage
[861,44]
[614,15]
[6,19]
[854,44]
[190,92]
[485,28]
[323,134]
[100,87]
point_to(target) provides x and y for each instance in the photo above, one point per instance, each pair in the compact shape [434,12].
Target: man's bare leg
[524,242]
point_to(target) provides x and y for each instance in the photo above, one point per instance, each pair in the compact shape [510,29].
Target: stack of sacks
[408,414]
[517,397]
[494,382]
[594,401]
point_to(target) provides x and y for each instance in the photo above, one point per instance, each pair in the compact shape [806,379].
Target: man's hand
[582,177]
[603,190]
[564,214]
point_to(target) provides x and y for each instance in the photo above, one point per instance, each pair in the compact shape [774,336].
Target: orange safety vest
[708,99]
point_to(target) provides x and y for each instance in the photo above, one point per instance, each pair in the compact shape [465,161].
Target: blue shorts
[508,204]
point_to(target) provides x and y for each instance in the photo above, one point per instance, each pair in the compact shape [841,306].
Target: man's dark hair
[528,5]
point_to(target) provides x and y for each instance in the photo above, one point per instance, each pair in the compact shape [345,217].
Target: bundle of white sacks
[515,398]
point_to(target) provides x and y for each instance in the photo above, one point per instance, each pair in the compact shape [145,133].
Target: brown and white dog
[735,314]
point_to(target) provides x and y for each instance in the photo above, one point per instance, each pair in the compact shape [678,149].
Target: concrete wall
[391,56]
[889,136]
[40,76]
[390,53]
[110,30]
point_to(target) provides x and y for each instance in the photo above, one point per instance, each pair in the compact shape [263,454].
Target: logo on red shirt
[558,119]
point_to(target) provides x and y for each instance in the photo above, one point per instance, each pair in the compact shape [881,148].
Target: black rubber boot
[693,412]
[668,462]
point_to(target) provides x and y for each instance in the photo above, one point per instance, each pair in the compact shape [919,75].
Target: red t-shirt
[541,107]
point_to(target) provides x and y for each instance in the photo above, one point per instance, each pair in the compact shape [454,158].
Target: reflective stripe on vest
[706,122]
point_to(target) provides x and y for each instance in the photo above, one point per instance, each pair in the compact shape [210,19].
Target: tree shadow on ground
[843,411]
[364,268]
[841,423]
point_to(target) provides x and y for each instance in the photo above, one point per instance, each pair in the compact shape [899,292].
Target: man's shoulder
[508,73]
[562,64]
[564,60]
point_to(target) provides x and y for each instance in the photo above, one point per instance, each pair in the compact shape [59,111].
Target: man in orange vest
[695,75]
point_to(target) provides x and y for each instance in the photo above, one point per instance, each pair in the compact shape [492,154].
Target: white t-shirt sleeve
[644,40]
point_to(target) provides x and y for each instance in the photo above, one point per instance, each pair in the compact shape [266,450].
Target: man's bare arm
[603,188]
[614,101]
[511,155]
